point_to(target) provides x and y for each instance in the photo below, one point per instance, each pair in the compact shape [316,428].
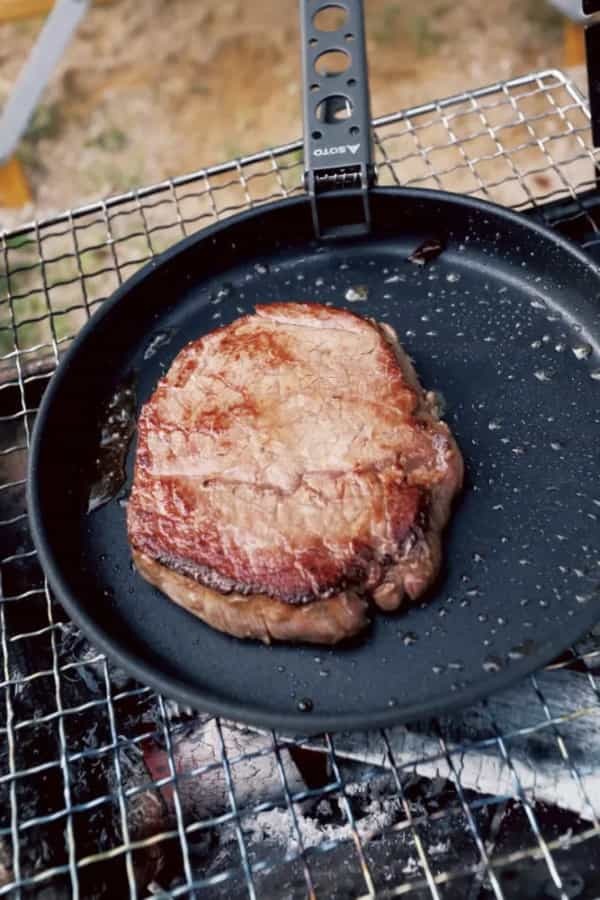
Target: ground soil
[155,89]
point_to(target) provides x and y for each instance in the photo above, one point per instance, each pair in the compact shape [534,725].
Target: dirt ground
[155,89]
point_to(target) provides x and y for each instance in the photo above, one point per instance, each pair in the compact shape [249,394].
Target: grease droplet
[492,664]
[582,351]
[357,293]
[409,638]
[521,650]
[159,340]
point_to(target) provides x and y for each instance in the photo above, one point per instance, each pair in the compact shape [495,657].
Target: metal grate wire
[107,789]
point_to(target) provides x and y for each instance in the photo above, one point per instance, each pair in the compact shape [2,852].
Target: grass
[424,38]
[21,240]
[25,319]
[544,18]
[291,175]
[46,123]
[28,333]
[397,24]
[232,150]
[111,139]
[110,178]
[385,33]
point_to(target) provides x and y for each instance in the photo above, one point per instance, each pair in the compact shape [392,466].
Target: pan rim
[114,647]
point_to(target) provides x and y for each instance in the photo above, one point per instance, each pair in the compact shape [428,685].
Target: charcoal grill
[107,789]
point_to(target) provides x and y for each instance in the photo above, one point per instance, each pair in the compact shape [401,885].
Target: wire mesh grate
[107,789]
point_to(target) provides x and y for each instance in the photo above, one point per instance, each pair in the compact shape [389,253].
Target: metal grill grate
[107,789]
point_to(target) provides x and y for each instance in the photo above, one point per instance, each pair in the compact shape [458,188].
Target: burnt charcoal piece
[425,252]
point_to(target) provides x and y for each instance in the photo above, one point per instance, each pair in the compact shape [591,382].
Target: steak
[290,470]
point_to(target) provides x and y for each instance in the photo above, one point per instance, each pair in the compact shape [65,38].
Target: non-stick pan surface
[505,323]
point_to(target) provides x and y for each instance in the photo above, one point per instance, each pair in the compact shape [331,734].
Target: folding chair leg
[14,188]
[573,44]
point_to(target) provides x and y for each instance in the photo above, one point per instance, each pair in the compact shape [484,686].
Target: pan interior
[504,324]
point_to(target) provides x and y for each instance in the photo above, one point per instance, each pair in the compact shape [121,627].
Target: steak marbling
[289,469]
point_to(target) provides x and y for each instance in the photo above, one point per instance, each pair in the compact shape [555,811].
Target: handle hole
[330,18]
[351,82]
[349,36]
[317,135]
[314,87]
[313,42]
[333,109]
[332,62]
[354,130]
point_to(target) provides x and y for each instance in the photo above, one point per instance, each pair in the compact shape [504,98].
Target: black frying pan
[505,322]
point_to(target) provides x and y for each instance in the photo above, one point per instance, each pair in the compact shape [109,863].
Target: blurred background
[154,89]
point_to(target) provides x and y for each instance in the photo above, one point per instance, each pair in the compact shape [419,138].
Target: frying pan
[505,323]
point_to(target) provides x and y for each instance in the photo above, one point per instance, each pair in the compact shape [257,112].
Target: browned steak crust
[258,616]
[291,461]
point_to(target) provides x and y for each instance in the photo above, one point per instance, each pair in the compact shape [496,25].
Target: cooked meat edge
[263,618]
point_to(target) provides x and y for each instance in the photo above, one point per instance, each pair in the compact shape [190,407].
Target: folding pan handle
[337,118]
[592,52]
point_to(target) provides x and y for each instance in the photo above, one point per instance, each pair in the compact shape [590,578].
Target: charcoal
[38,743]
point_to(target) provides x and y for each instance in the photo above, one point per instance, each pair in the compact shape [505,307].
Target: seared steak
[289,468]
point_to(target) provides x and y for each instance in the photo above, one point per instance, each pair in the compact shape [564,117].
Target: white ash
[379,812]
[439,849]
[255,780]
[75,646]
[535,756]
[411,867]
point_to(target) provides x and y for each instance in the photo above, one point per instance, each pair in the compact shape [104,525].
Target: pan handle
[337,119]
